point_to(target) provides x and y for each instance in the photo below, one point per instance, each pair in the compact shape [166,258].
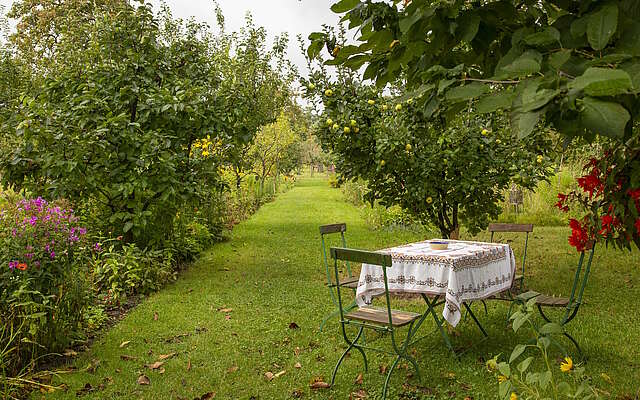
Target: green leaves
[604,117]
[523,123]
[603,82]
[549,35]
[494,102]
[466,92]
[344,5]
[602,25]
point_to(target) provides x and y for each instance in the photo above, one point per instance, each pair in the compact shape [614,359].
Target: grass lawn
[270,274]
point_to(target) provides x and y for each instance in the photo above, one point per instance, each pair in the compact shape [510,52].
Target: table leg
[439,322]
[475,319]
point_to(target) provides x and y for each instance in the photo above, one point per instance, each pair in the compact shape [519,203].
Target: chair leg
[351,345]
[575,343]
[386,381]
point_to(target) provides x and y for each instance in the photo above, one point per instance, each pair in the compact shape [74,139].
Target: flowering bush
[43,287]
[611,195]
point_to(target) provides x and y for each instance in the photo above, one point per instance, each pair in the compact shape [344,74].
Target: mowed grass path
[270,275]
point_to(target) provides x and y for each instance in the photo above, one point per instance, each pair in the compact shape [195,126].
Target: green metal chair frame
[572,303]
[332,229]
[387,325]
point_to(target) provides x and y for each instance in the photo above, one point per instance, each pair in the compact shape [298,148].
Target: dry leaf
[269,375]
[297,351]
[155,316]
[298,365]
[226,310]
[144,380]
[93,366]
[155,365]
[383,368]
[319,385]
[297,394]
[124,343]
[189,365]
[279,374]
[70,353]
[606,378]
[468,398]
[293,325]
[227,317]
[161,371]
[206,396]
[232,369]
[359,379]
[125,357]
[360,394]
[162,357]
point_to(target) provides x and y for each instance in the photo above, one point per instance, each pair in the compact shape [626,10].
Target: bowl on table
[438,245]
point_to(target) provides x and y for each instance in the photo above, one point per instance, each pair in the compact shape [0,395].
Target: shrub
[127,270]
[43,280]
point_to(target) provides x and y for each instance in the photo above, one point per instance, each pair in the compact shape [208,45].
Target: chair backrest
[331,229]
[366,257]
[515,228]
[579,282]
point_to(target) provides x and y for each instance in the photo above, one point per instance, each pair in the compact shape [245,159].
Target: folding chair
[571,303]
[349,281]
[518,280]
[379,319]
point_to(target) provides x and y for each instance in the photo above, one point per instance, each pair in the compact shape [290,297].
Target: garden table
[465,272]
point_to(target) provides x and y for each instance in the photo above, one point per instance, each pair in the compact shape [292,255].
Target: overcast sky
[277,16]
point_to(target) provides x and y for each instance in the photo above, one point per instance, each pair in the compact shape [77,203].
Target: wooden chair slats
[510,227]
[543,299]
[361,256]
[379,316]
[333,228]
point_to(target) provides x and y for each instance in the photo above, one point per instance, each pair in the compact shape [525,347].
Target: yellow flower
[429,200]
[409,101]
[513,396]
[485,132]
[335,127]
[353,122]
[371,102]
[328,92]
[407,147]
[347,129]
[356,129]
[398,107]
[502,378]
[385,107]
[382,163]
[312,86]
[329,121]
[567,365]
[205,153]
[498,141]
[539,159]
[394,43]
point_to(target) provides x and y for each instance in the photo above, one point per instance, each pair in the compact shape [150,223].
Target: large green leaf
[547,36]
[468,28]
[344,6]
[523,123]
[604,117]
[603,82]
[407,22]
[467,92]
[559,58]
[537,99]
[527,64]
[602,25]
[493,102]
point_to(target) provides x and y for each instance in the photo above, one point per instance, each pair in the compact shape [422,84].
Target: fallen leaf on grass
[189,365]
[468,398]
[360,394]
[319,385]
[123,344]
[162,357]
[227,317]
[125,357]
[269,375]
[155,365]
[155,316]
[87,388]
[93,366]
[298,365]
[297,394]
[383,368]
[297,351]
[359,379]
[161,371]
[465,386]
[206,396]
[606,378]
[144,380]
[70,353]
[225,310]
[279,374]
[293,325]
[232,369]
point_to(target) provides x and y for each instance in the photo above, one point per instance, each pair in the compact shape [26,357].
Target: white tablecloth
[466,271]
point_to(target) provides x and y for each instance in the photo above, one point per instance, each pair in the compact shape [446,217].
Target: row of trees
[103,101]
[572,66]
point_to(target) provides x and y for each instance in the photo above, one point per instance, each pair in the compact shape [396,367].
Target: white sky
[277,16]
